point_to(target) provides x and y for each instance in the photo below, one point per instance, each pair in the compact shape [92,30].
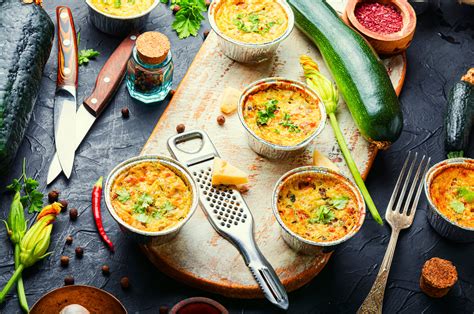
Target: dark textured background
[442,50]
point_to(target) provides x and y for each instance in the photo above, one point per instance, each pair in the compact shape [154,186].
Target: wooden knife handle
[67,48]
[110,76]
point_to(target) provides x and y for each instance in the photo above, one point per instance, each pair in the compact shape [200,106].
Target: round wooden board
[198,256]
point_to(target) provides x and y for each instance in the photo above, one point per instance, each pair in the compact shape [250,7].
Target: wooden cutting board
[198,256]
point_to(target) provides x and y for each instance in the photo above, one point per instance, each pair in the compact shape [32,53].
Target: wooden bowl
[93,299]
[385,44]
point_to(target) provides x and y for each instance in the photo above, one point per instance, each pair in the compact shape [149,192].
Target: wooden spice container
[385,44]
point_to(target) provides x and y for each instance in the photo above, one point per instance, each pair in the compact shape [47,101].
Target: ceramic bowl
[142,236]
[119,25]
[297,242]
[440,223]
[265,148]
[247,52]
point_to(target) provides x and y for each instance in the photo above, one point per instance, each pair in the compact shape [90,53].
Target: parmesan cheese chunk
[322,161]
[230,100]
[226,174]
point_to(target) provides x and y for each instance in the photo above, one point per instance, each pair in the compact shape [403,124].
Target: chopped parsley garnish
[143,202]
[123,195]
[339,202]
[263,116]
[292,197]
[324,215]
[457,206]
[252,24]
[466,193]
[293,128]
[164,209]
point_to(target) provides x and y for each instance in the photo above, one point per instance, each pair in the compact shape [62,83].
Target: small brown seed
[73,213]
[79,252]
[105,270]
[125,113]
[172,92]
[221,120]
[53,196]
[243,188]
[64,204]
[180,128]
[124,282]
[175,8]
[64,261]
[205,33]
[69,280]
[69,240]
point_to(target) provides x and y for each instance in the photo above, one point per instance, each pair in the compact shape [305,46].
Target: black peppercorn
[125,113]
[69,240]
[124,283]
[64,261]
[73,214]
[64,204]
[105,270]
[53,196]
[69,280]
[180,128]
[79,252]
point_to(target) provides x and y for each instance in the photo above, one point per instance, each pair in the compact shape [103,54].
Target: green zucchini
[359,74]
[26,36]
[459,118]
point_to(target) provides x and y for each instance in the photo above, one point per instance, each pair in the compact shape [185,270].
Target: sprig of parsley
[293,128]
[32,198]
[143,202]
[466,193]
[189,17]
[323,215]
[263,116]
[123,195]
[457,206]
[85,55]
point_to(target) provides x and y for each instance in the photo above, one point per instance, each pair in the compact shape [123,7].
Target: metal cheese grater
[227,212]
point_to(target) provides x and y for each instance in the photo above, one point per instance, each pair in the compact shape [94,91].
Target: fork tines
[417,180]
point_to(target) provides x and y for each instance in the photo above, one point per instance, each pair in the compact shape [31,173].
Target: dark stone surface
[434,65]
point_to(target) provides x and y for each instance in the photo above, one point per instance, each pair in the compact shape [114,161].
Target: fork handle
[374,301]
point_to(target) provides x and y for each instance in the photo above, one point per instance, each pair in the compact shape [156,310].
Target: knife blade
[66,84]
[108,81]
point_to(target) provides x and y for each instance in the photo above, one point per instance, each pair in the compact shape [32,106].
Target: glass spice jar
[150,68]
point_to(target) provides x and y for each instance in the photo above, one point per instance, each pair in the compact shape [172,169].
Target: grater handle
[205,152]
[265,276]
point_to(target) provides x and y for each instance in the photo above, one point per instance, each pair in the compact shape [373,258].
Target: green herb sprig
[263,116]
[287,123]
[85,55]
[189,17]
[32,198]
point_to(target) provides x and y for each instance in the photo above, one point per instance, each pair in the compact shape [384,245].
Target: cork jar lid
[153,47]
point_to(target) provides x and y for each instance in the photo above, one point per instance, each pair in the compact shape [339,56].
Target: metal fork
[398,220]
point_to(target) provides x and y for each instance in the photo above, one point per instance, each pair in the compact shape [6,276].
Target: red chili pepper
[96,197]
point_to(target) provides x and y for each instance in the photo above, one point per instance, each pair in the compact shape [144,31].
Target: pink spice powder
[378,17]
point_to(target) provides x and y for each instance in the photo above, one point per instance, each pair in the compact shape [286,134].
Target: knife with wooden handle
[108,81]
[65,104]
